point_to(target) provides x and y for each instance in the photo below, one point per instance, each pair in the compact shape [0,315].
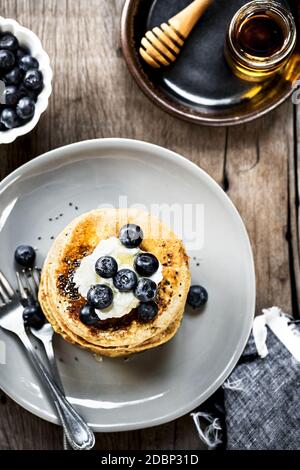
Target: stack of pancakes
[61,302]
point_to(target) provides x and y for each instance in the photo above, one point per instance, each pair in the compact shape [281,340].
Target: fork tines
[6,291]
[28,281]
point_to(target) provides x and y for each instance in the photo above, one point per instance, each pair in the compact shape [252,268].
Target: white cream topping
[85,276]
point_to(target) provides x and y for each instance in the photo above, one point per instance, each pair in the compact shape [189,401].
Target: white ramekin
[30,40]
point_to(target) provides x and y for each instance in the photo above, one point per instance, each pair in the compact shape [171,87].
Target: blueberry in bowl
[8,119]
[9,42]
[25,80]
[11,96]
[7,61]
[25,108]
[33,80]
[13,77]
[27,62]
[21,52]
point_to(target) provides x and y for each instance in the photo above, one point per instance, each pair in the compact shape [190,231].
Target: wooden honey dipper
[161,46]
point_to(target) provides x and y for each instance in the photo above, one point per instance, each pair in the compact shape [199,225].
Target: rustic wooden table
[94,96]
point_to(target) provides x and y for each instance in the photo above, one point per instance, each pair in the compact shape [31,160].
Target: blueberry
[197,296]
[125,280]
[9,41]
[100,296]
[146,264]
[9,118]
[11,95]
[146,290]
[147,311]
[25,256]
[14,77]
[33,316]
[106,267]
[27,62]
[25,108]
[131,235]
[7,60]
[29,93]
[33,80]
[88,315]
[21,52]
[3,128]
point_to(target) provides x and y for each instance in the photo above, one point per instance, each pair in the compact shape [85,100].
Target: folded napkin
[258,407]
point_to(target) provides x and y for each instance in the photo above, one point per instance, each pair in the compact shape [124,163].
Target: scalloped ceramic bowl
[30,40]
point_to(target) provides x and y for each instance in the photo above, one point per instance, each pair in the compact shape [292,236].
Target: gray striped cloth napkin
[258,407]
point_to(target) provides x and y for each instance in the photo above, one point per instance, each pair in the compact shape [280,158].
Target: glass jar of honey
[261,38]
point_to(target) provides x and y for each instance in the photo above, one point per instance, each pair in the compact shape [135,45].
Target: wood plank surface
[95,96]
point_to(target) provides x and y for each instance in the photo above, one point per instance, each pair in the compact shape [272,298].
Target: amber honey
[260,40]
[261,35]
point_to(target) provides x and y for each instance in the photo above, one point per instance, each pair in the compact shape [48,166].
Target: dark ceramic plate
[199,86]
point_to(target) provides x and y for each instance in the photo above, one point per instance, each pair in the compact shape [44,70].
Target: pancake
[61,329]
[61,302]
[161,338]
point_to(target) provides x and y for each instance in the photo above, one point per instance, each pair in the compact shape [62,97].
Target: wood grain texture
[94,96]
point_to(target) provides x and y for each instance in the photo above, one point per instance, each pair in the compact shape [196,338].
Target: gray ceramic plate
[40,198]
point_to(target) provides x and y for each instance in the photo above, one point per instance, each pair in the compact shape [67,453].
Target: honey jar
[260,40]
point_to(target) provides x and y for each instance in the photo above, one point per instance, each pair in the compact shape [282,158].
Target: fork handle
[48,346]
[77,431]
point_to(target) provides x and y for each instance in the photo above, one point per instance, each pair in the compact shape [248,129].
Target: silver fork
[28,285]
[77,431]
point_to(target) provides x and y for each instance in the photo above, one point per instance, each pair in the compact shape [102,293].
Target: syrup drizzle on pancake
[68,289]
